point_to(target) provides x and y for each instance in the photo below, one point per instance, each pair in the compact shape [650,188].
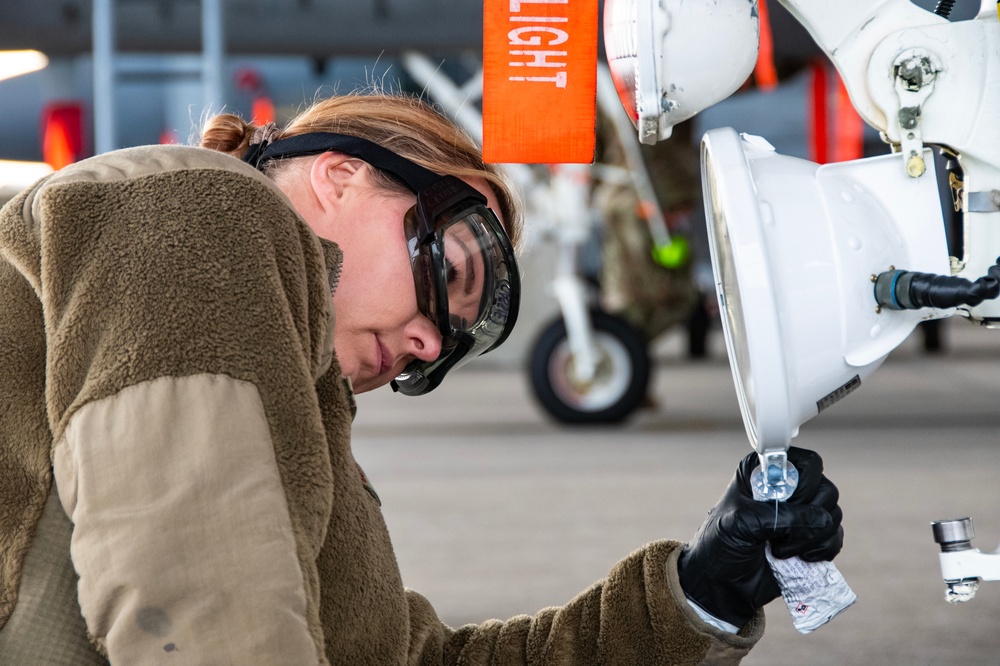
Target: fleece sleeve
[636,616]
[184,328]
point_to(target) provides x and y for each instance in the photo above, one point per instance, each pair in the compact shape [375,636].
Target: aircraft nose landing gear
[614,389]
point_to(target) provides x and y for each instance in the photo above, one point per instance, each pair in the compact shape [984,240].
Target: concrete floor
[495,510]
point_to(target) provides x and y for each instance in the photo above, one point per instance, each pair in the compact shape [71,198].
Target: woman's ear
[334,175]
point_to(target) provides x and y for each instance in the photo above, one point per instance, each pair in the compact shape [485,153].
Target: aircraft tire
[620,383]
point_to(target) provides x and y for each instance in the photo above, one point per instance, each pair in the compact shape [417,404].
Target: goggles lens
[463,278]
[466,280]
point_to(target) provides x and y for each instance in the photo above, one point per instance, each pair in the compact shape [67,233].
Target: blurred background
[517,483]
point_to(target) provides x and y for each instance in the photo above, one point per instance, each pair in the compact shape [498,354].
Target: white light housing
[666,61]
[794,245]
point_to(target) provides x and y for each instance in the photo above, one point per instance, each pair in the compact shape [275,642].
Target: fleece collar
[334,257]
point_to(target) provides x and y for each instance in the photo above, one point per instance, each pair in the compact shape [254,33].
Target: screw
[668,104]
[915,166]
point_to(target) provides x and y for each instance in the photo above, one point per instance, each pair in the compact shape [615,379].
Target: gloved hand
[723,569]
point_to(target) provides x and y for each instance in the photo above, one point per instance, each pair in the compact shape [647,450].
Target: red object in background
[764,72]
[836,131]
[262,111]
[62,133]
[817,125]
[169,136]
[850,128]
[250,80]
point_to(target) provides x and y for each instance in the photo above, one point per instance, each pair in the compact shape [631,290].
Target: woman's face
[379,328]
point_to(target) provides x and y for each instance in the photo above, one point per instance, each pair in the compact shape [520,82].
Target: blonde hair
[404,124]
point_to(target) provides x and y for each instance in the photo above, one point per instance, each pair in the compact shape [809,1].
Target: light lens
[733,320]
[621,46]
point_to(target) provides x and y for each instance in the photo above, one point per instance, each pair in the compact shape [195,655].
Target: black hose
[944,8]
[907,290]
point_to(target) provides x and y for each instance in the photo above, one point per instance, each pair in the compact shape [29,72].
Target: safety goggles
[464,270]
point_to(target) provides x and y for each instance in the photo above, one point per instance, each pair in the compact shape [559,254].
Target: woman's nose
[423,339]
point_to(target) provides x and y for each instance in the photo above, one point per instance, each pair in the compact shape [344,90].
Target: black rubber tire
[622,375]
[933,336]
[698,326]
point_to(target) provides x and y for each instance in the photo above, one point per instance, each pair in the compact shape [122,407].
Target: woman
[182,335]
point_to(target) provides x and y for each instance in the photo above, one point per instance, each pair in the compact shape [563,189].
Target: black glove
[723,569]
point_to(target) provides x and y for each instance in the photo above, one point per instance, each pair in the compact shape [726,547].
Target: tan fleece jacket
[166,357]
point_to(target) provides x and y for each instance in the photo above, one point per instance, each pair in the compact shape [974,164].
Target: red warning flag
[539,80]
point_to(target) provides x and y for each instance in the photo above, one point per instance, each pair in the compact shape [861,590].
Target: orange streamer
[262,110]
[818,127]
[765,73]
[850,128]
[539,80]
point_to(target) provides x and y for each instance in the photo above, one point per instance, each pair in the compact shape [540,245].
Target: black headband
[410,173]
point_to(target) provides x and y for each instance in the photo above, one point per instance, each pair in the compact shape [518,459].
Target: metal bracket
[984,202]
[914,71]
[957,187]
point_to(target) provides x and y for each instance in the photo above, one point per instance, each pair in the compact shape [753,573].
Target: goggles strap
[412,174]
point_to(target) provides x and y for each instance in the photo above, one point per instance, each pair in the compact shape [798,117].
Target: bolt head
[915,166]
